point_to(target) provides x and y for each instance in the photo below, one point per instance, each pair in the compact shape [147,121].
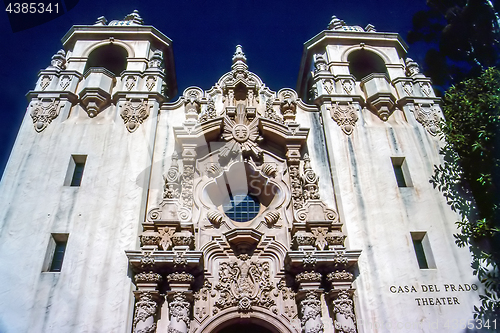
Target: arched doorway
[244,326]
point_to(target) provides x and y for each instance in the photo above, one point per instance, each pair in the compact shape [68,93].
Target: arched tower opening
[363,63]
[111,56]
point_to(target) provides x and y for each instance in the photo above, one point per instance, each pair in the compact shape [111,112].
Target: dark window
[76,166]
[112,57]
[419,251]
[363,63]
[55,253]
[77,174]
[423,251]
[401,172]
[57,259]
[241,207]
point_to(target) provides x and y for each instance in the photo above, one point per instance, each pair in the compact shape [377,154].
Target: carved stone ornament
[244,284]
[147,260]
[271,218]
[335,237]
[45,81]
[345,320]
[179,314]
[172,180]
[215,218]
[183,238]
[64,82]
[130,82]
[309,259]
[43,112]
[408,88]
[345,116]
[147,277]
[288,106]
[156,60]
[180,277]
[192,99]
[187,185]
[426,88]
[271,113]
[296,186]
[150,82]
[303,238]
[348,86]
[58,60]
[269,170]
[308,277]
[329,86]
[145,314]
[210,112]
[320,64]
[310,181]
[133,113]
[242,136]
[166,238]
[150,239]
[311,313]
[412,68]
[428,117]
[320,237]
[339,276]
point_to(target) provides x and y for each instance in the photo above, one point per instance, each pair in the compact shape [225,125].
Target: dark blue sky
[204,35]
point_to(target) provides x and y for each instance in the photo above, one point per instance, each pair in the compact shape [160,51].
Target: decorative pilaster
[180,311]
[145,312]
[310,311]
[343,308]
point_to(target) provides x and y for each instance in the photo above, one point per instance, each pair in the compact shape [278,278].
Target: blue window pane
[242,207]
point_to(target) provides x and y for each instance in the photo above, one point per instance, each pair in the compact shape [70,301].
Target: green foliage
[469,178]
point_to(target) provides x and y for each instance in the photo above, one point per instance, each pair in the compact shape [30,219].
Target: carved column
[180,311]
[145,312]
[179,301]
[147,299]
[310,304]
[342,304]
[310,311]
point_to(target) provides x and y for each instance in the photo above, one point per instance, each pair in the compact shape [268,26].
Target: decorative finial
[335,23]
[134,17]
[411,67]
[58,60]
[239,59]
[239,55]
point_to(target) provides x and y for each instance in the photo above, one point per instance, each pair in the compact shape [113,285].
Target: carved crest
[43,112]
[244,284]
[345,116]
[428,117]
[133,113]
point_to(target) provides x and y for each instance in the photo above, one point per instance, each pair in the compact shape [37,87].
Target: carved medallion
[43,112]
[240,132]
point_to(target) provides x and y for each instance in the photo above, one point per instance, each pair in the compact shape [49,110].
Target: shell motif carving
[215,218]
[272,218]
[269,170]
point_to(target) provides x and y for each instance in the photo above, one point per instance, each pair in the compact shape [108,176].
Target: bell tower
[75,186]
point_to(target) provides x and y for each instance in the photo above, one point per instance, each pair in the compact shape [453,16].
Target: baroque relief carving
[271,113]
[311,313]
[145,314]
[345,320]
[147,277]
[296,186]
[133,113]
[166,238]
[130,82]
[210,112]
[345,116]
[43,112]
[45,81]
[428,117]
[244,284]
[150,82]
[179,314]
[310,180]
[242,136]
[172,180]
[64,82]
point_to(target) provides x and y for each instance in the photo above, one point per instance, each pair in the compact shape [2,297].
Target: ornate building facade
[233,208]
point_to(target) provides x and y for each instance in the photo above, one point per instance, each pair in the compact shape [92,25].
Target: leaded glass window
[242,207]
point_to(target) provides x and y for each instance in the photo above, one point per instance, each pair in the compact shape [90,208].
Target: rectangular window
[401,171]
[422,249]
[55,253]
[75,170]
